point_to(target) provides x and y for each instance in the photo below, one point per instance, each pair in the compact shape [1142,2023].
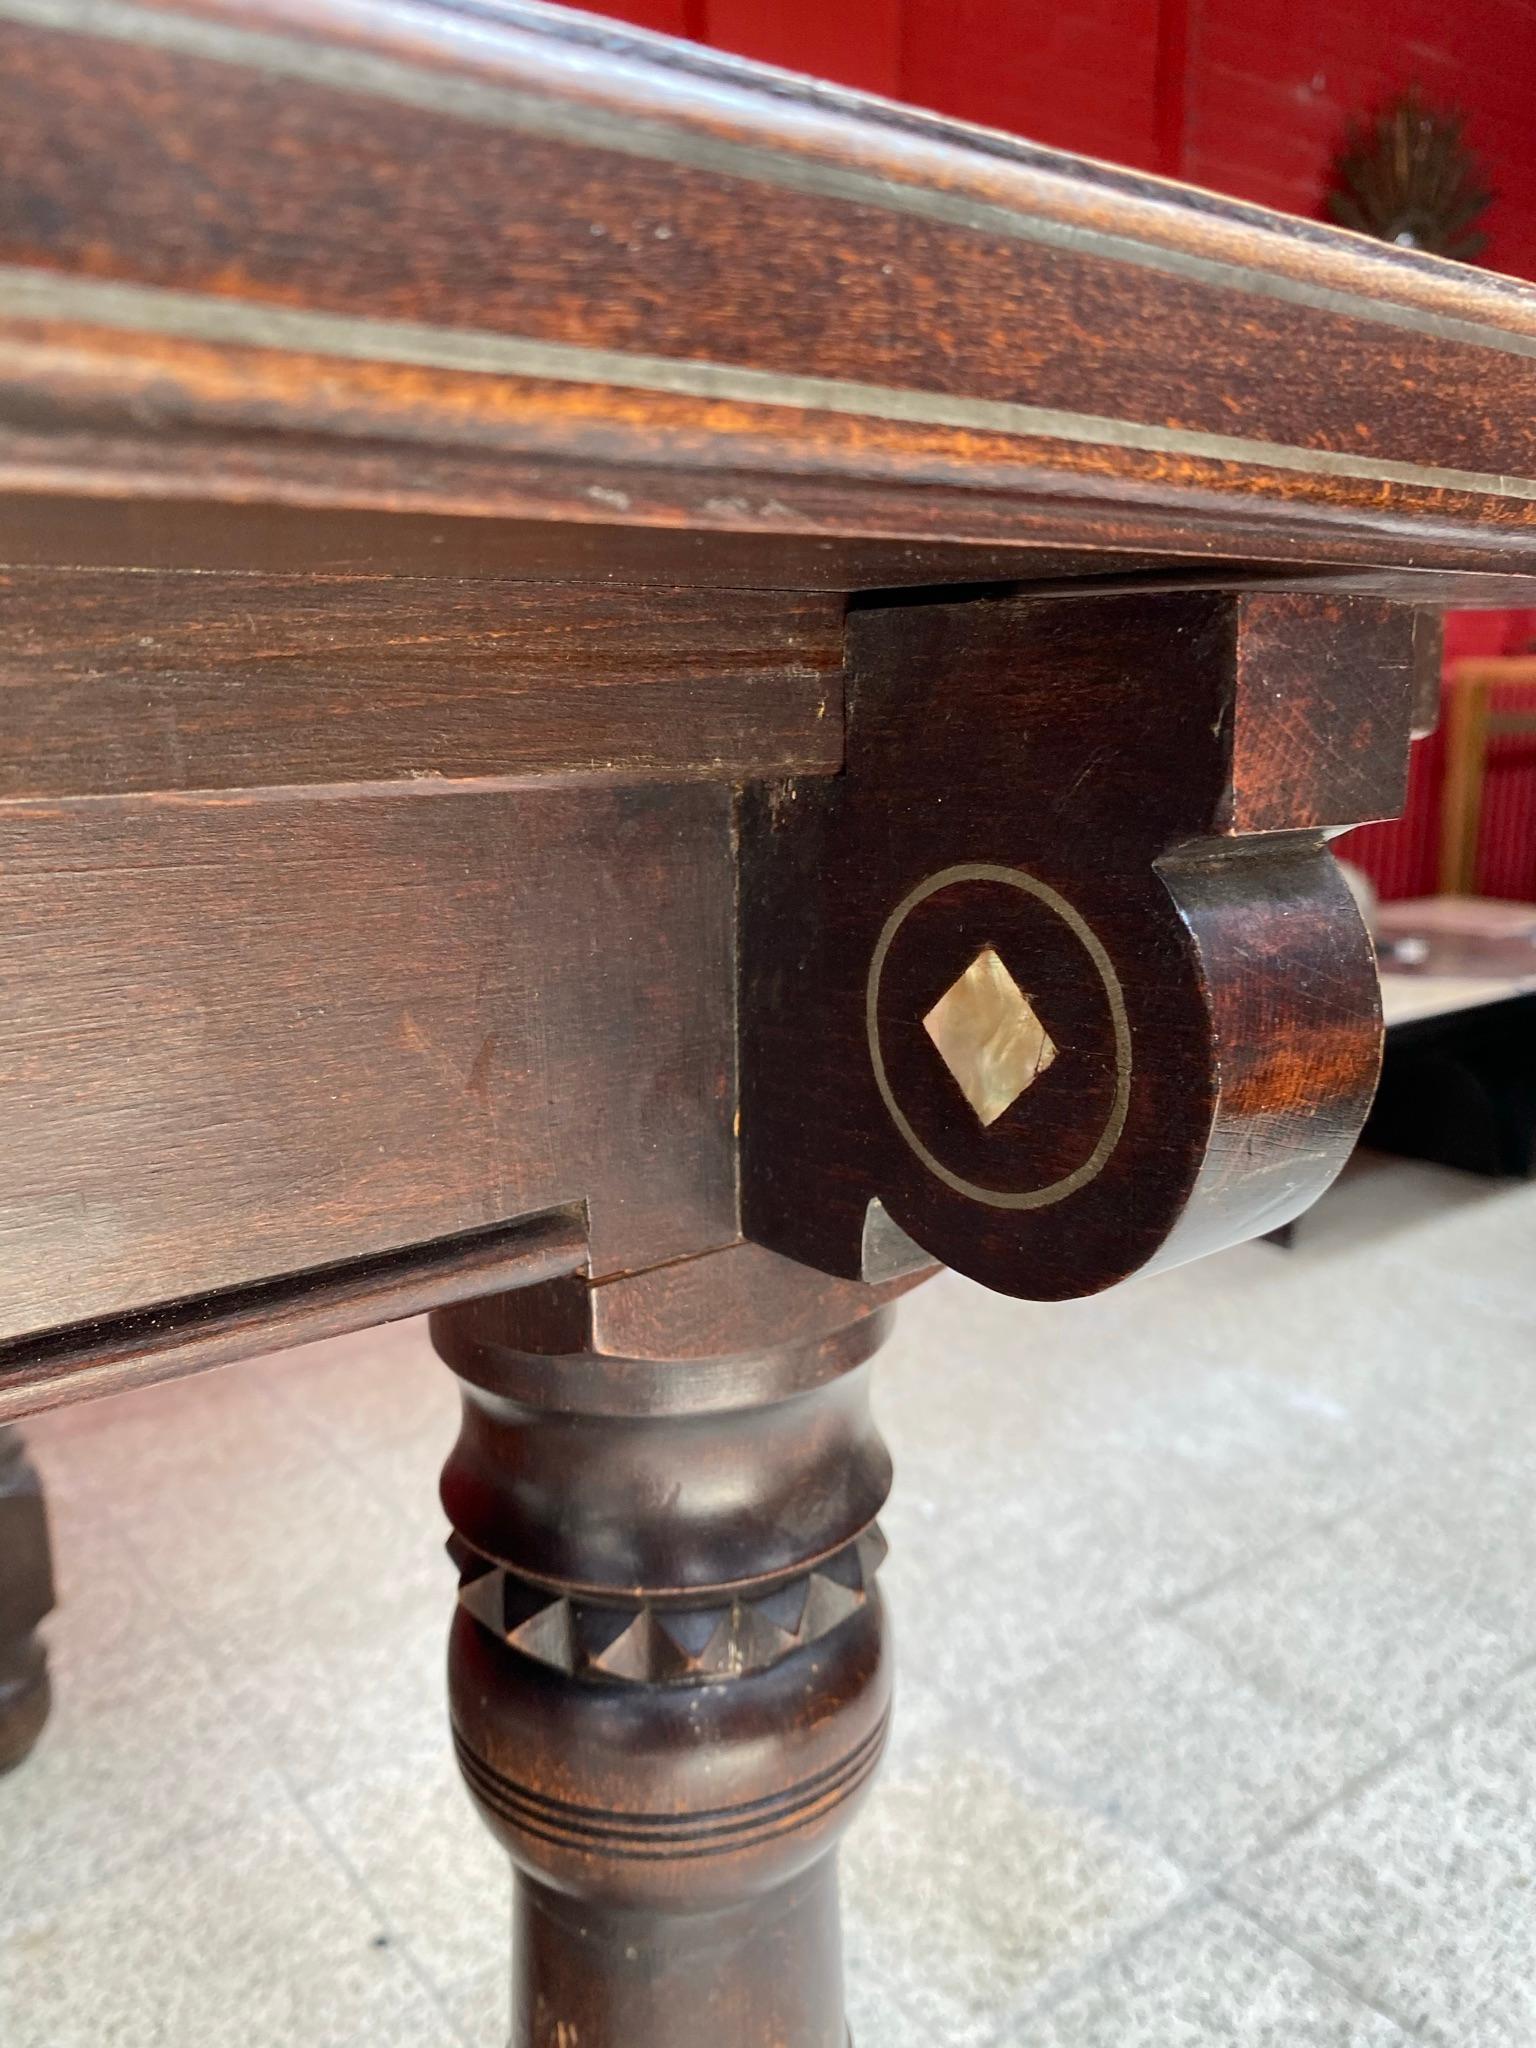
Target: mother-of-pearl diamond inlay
[989,1037]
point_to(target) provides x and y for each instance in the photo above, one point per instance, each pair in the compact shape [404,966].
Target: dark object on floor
[1461,1090]
[26,1597]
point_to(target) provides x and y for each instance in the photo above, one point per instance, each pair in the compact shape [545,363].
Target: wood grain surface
[121,683]
[67,531]
[419,257]
[1123,798]
[55,530]
[243,1038]
[668,1674]
[83,1361]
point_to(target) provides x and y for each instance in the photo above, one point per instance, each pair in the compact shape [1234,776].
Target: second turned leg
[668,1674]
[26,1598]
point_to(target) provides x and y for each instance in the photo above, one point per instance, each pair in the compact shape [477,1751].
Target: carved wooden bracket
[1059,979]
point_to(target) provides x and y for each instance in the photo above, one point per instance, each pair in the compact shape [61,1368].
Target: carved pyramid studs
[989,1037]
[653,1645]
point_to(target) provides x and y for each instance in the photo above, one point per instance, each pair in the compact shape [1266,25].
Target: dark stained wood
[1123,797]
[1287,977]
[82,1361]
[71,531]
[1428,667]
[26,1600]
[244,1038]
[68,530]
[526,295]
[454,833]
[487,212]
[747,1325]
[491,449]
[1321,697]
[667,1674]
[112,684]
[153,532]
[720,1311]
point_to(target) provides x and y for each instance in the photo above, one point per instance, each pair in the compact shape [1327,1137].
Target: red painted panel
[1403,858]
[852,44]
[667,17]
[1271,95]
[1506,840]
[1078,76]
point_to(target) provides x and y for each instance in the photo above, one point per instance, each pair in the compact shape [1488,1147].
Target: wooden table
[638,699]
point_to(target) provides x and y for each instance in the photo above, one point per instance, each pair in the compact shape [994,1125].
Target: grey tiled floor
[1216,1600]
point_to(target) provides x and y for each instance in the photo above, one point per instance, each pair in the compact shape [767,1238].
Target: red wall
[1402,857]
[1272,90]
[1246,98]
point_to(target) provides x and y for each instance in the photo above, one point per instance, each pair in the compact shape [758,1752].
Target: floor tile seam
[439,1993]
[1271,1696]
[459,1988]
[1198,1892]
[193,1631]
[1213,1870]
[215,1675]
[182,1625]
[1466,1701]
[1422,1738]
[1329,1972]
[192,1836]
[1370,1502]
[337,1446]
[190,1633]
[1320,1525]
[400,1941]
[1171,1609]
[1142,1613]
[1073,1791]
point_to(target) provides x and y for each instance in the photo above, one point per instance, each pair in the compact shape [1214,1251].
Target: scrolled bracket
[1059,979]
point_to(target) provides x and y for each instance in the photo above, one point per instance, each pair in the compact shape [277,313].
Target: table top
[509,264]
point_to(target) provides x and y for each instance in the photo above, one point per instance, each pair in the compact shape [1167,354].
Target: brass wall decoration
[1409,177]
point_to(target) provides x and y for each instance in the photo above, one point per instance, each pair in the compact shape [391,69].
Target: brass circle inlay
[1114,995]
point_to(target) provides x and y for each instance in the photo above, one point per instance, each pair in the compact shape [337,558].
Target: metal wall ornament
[1409,177]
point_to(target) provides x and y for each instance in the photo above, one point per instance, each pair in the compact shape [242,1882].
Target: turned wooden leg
[668,1673]
[26,1596]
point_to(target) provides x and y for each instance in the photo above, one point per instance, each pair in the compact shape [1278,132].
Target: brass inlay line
[587,124]
[1012,878]
[27,294]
